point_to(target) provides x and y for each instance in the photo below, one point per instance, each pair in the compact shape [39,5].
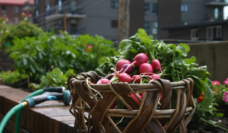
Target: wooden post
[28,84]
[64,21]
[124,19]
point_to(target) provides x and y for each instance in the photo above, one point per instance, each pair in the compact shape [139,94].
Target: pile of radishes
[124,68]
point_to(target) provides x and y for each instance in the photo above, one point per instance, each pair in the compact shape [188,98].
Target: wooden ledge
[47,117]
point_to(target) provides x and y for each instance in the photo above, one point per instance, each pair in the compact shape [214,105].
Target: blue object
[67,97]
[31,102]
[51,97]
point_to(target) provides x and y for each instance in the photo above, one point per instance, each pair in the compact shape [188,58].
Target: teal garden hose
[51,93]
[18,115]
[10,113]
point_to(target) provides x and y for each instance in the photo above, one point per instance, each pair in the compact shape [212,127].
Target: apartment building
[151,17]
[95,17]
[12,9]
[203,20]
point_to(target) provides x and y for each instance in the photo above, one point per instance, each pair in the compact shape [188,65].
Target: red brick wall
[5,62]
[10,14]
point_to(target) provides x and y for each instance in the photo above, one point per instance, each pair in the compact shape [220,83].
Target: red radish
[124,77]
[106,81]
[140,59]
[126,67]
[146,68]
[154,77]
[129,68]
[120,63]
[142,94]
[160,98]
[103,81]
[156,64]
[136,78]
[133,96]
[113,105]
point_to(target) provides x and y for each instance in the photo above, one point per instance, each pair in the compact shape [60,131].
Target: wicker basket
[92,113]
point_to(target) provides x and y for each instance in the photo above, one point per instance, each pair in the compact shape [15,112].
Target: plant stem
[115,78]
[152,54]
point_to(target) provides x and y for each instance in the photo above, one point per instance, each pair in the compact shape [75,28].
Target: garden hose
[18,115]
[10,113]
[53,93]
[50,93]
[38,92]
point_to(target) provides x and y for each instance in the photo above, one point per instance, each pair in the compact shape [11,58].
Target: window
[184,8]
[185,23]
[115,4]
[3,11]
[214,33]
[155,28]
[194,34]
[37,13]
[36,2]
[147,27]
[210,33]
[219,32]
[3,8]
[47,7]
[15,9]
[146,8]
[60,5]
[114,23]
[155,9]
[216,13]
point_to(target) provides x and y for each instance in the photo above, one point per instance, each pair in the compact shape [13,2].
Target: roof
[196,25]
[15,2]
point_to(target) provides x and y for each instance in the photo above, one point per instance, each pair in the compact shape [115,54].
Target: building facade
[202,20]
[94,17]
[11,10]
[151,17]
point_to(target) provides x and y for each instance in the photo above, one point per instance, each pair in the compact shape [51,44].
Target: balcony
[30,5]
[58,12]
[216,2]
[212,17]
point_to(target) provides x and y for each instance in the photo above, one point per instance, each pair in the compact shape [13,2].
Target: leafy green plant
[3,31]
[11,77]
[54,78]
[36,56]
[21,30]
[205,115]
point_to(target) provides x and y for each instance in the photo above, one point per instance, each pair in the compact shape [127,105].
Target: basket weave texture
[144,117]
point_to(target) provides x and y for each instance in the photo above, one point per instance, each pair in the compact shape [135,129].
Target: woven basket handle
[81,91]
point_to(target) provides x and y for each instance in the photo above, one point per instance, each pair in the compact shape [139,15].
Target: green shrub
[36,56]
[54,78]
[12,77]
[21,30]
[3,32]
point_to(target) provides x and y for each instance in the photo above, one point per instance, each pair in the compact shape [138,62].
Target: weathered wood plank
[50,116]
